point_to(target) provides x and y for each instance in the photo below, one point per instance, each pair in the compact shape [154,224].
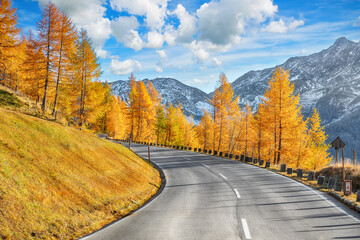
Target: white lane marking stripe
[223,176]
[246,228]
[320,195]
[205,165]
[237,193]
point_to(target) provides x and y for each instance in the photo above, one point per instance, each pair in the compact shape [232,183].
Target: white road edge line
[223,176]
[237,193]
[246,228]
[205,165]
[320,195]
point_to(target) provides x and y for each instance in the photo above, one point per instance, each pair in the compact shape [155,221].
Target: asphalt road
[206,197]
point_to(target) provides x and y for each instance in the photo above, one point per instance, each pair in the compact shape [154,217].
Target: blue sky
[194,41]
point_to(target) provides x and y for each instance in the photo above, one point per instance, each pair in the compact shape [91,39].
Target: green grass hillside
[59,182]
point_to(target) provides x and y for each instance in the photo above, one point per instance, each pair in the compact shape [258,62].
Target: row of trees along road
[277,131]
[56,66]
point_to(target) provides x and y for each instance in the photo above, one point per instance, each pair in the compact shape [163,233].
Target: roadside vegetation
[59,182]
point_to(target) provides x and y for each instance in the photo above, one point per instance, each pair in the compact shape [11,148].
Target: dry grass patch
[59,182]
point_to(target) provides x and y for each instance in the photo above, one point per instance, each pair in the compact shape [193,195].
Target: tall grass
[59,182]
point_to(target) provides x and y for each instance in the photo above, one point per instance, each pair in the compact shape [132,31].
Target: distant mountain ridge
[173,92]
[328,80]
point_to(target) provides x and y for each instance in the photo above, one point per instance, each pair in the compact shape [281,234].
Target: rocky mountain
[328,80]
[172,91]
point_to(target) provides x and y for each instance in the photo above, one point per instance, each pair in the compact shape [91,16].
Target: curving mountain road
[206,197]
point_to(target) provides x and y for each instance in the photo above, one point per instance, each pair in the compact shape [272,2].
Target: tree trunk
[59,70]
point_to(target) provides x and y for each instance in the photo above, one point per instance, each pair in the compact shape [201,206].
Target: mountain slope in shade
[328,80]
[173,92]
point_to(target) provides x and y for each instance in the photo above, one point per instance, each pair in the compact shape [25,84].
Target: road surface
[206,197]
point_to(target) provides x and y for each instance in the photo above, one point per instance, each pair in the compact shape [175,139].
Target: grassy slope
[59,182]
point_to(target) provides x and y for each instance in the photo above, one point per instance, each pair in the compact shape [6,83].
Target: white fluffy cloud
[187,27]
[162,54]
[124,67]
[199,53]
[154,11]
[124,31]
[154,40]
[162,60]
[216,61]
[282,27]
[222,22]
[158,69]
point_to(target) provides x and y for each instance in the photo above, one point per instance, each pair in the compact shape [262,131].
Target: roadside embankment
[59,182]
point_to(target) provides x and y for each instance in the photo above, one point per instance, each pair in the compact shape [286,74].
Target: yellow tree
[152,114]
[85,69]
[15,68]
[283,112]
[145,116]
[234,114]
[33,69]
[301,146]
[318,149]
[116,118]
[97,105]
[205,130]
[248,133]
[221,103]
[160,125]
[9,37]
[132,103]
[237,130]
[175,125]
[113,117]
[48,34]
[66,48]
[260,133]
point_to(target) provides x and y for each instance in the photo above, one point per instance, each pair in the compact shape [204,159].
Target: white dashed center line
[223,176]
[237,193]
[246,228]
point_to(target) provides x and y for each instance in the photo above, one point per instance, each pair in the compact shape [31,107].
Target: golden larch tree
[205,131]
[283,112]
[85,69]
[221,103]
[48,39]
[9,38]
[318,149]
[66,48]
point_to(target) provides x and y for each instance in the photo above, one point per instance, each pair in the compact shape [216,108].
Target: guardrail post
[331,183]
[310,176]
[283,168]
[321,180]
[299,173]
